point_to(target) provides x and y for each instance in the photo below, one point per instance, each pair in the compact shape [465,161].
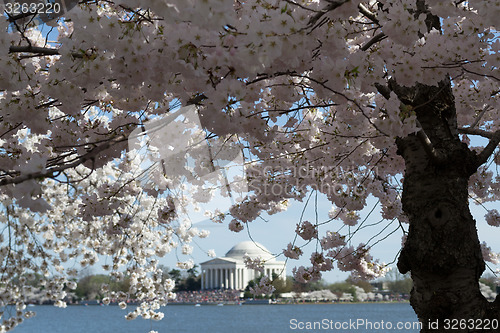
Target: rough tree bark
[442,250]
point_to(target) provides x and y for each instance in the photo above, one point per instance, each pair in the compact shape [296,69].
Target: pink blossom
[332,240]
[306,230]
[236,225]
[292,252]
[493,217]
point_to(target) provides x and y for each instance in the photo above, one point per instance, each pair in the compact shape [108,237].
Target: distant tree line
[89,285]
[394,283]
[184,280]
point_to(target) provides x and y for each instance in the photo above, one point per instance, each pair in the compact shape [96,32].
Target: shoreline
[231,303]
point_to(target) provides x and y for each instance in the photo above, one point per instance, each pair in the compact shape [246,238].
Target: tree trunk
[442,250]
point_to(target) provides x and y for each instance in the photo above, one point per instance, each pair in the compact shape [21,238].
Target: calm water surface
[225,319]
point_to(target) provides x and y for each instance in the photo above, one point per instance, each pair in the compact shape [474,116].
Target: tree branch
[489,149]
[33,49]
[353,101]
[383,90]
[377,38]
[332,5]
[433,154]
[80,160]
[44,51]
[486,107]
[363,10]
[476,131]
[196,100]
[299,5]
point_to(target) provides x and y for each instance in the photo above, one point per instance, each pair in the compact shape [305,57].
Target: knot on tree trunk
[438,216]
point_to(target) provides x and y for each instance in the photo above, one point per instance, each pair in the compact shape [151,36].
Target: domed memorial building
[229,272]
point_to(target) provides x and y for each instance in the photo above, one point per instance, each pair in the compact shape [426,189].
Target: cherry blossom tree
[346,98]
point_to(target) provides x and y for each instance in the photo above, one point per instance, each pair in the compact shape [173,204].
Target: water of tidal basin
[219,319]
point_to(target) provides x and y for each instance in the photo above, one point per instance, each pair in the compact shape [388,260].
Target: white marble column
[226,270]
[233,278]
[202,279]
[216,278]
[245,277]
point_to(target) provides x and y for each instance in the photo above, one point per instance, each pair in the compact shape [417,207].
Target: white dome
[253,249]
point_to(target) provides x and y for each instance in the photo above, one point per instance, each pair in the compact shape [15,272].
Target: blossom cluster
[292,251]
[263,287]
[254,263]
[307,230]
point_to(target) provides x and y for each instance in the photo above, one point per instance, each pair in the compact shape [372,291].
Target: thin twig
[486,107]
